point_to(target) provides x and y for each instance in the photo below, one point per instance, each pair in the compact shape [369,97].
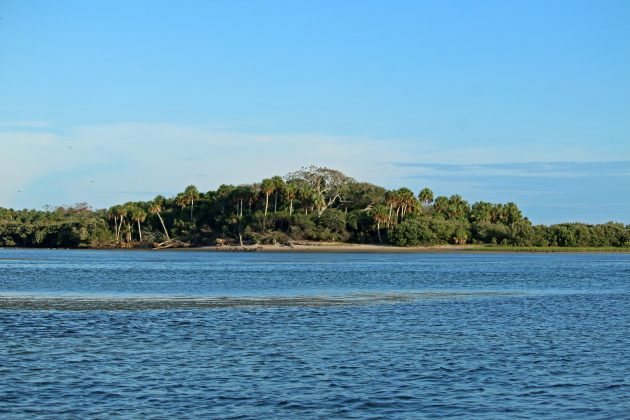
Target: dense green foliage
[73,227]
[315,204]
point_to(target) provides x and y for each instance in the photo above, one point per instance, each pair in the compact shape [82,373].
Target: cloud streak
[548,192]
[522,169]
[24,124]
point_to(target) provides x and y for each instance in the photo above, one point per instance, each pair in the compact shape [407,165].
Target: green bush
[333,220]
[413,232]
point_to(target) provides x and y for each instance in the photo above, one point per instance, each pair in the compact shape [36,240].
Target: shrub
[413,232]
[333,220]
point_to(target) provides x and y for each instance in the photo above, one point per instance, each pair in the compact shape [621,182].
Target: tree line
[313,203]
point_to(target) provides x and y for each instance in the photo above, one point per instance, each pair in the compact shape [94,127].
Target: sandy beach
[334,247]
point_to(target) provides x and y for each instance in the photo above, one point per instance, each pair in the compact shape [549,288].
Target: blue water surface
[534,335]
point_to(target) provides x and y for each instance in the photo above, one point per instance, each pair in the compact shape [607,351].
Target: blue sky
[500,101]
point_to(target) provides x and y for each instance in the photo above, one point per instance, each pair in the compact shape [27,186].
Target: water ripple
[83,303]
[521,336]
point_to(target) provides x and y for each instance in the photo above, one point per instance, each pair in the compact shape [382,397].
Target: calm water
[182,334]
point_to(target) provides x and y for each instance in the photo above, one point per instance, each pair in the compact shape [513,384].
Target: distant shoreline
[327,247]
[340,248]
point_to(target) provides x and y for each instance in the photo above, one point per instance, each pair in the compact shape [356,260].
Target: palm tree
[267,186]
[458,208]
[441,205]
[290,192]
[319,201]
[124,211]
[460,236]
[155,208]
[305,195]
[182,200]
[138,215]
[380,215]
[192,193]
[224,194]
[121,212]
[112,213]
[481,212]
[397,199]
[391,198]
[128,230]
[252,195]
[407,200]
[426,197]
[511,213]
[238,195]
[279,184]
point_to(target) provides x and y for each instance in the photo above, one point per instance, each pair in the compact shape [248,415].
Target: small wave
[85,303]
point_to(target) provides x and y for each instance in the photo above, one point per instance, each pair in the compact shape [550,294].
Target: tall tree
[279,185]
[362,196]
[458,208]
[328,185]
[126,211]
[407,200]
[113,214]
[481,212]
[441,206]
[240,195]
[155,208]
[290,192]
[512,213]
[121,211]
[224,195]
[252,195]
[391,198]
[426,197]
[138,215]
[182,200]
[304,194]
[380,215]
[267,186]
[496,213]
[192,193]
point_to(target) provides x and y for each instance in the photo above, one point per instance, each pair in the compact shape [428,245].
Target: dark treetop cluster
[312,204]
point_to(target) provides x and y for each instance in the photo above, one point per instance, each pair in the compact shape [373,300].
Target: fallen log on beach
[243,248]
[171,243]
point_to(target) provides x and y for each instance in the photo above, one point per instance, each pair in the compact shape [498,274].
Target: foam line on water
[83,303]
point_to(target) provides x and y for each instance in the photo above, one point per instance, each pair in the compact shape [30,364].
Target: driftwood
[171,243]
[303,243]
[234,248]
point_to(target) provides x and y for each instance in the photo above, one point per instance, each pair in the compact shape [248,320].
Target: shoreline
[326,247]
[336,247]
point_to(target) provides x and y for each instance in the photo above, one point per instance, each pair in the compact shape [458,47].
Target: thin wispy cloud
[548,192]
[522,169]
[24,124]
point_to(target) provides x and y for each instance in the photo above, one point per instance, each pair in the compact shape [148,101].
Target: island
[312,209]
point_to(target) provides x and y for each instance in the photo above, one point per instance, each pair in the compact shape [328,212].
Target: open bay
[163,334]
